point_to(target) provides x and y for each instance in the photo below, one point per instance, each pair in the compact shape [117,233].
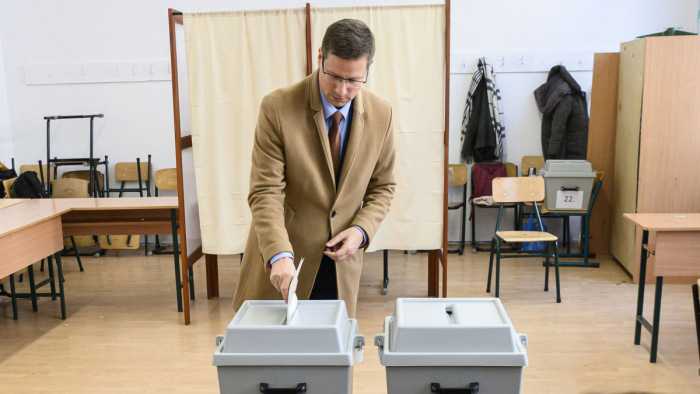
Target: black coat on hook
[564,116]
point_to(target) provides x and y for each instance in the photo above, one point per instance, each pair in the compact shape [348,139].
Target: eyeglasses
[337,80]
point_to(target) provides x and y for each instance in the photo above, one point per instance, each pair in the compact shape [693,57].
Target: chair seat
[455,205]
[508,204]
[525,236]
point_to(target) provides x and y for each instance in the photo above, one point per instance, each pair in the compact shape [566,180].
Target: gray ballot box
[313,353]
[465,345]
[568,184]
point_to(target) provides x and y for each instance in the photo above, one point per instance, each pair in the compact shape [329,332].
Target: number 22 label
[569,199]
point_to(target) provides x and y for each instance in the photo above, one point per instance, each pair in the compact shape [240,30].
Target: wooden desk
[675,249]
[34,229]
[8,202]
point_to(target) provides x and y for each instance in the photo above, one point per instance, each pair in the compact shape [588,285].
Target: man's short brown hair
[348,39]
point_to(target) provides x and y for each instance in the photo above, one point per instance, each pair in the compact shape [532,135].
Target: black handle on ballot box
[473,388]
[265,389]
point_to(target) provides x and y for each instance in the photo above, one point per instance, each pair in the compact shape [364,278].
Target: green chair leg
[32,288]
[498,266]
[52,278]
[77,255]
[13,296]
[546,265]
[488,284]
[556,268]
[61,293]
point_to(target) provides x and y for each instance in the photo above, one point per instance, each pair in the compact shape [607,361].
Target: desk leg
[32,287]
[640,292]
[59,274]
[433,274]
[176,256]
[13,295]
[212,266]
[52,277]
[657,316]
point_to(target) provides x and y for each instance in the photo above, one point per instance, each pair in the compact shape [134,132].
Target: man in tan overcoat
[320,183]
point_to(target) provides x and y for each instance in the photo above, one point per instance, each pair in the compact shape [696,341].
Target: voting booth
[313,351]
[568,184]
[464,345]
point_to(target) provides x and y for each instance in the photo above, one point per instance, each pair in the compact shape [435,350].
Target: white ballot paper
[292,296]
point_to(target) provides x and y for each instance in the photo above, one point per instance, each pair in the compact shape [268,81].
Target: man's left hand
[345,244]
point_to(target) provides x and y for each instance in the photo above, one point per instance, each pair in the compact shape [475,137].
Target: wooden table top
[665,221]
[8,202]
[18,216]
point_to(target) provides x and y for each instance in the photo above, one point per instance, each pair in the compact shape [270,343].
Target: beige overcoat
[293,197]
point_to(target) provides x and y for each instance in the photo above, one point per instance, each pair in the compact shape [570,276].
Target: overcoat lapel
[356,129]
[317,106]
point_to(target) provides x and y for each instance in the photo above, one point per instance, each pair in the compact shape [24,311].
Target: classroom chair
[33,295]
[7,184]
[70,192]
[132,172]
[165,179]
[511,171]
[71,188]
[527,162]
[538,162]
[458,178]
[127,172]
[521,190]
[85,175]
[585,215]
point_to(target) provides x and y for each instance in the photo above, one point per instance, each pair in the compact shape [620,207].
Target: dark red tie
[334,140]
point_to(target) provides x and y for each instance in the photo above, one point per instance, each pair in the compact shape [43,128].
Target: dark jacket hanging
[479,139]
[483,133]
[565,116]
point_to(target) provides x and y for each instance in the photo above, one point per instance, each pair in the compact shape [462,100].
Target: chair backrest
[511,169]
[35,167]
[597,183]
[84,175]
[536,162]
[518,189]
[484,173]
[69,188]
[7,183]
[128,172]
[458,174]
[166,179]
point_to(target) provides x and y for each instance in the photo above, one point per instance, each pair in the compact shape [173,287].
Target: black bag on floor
[27,185]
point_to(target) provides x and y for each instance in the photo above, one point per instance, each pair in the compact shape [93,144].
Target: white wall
[6,146]
[138,115]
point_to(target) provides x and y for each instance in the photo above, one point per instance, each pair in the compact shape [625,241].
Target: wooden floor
[124,334]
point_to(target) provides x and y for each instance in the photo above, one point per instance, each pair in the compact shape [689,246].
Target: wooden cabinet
[657,144]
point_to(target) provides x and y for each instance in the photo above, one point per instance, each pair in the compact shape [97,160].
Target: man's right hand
[281,276]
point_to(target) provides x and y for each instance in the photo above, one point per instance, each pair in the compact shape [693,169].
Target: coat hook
[522,60]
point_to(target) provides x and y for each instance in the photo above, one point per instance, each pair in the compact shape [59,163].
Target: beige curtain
[233,60]
[408,70]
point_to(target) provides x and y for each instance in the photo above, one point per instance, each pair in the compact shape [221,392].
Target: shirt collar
[329,109]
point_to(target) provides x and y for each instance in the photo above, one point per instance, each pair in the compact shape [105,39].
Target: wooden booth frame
[437,258]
